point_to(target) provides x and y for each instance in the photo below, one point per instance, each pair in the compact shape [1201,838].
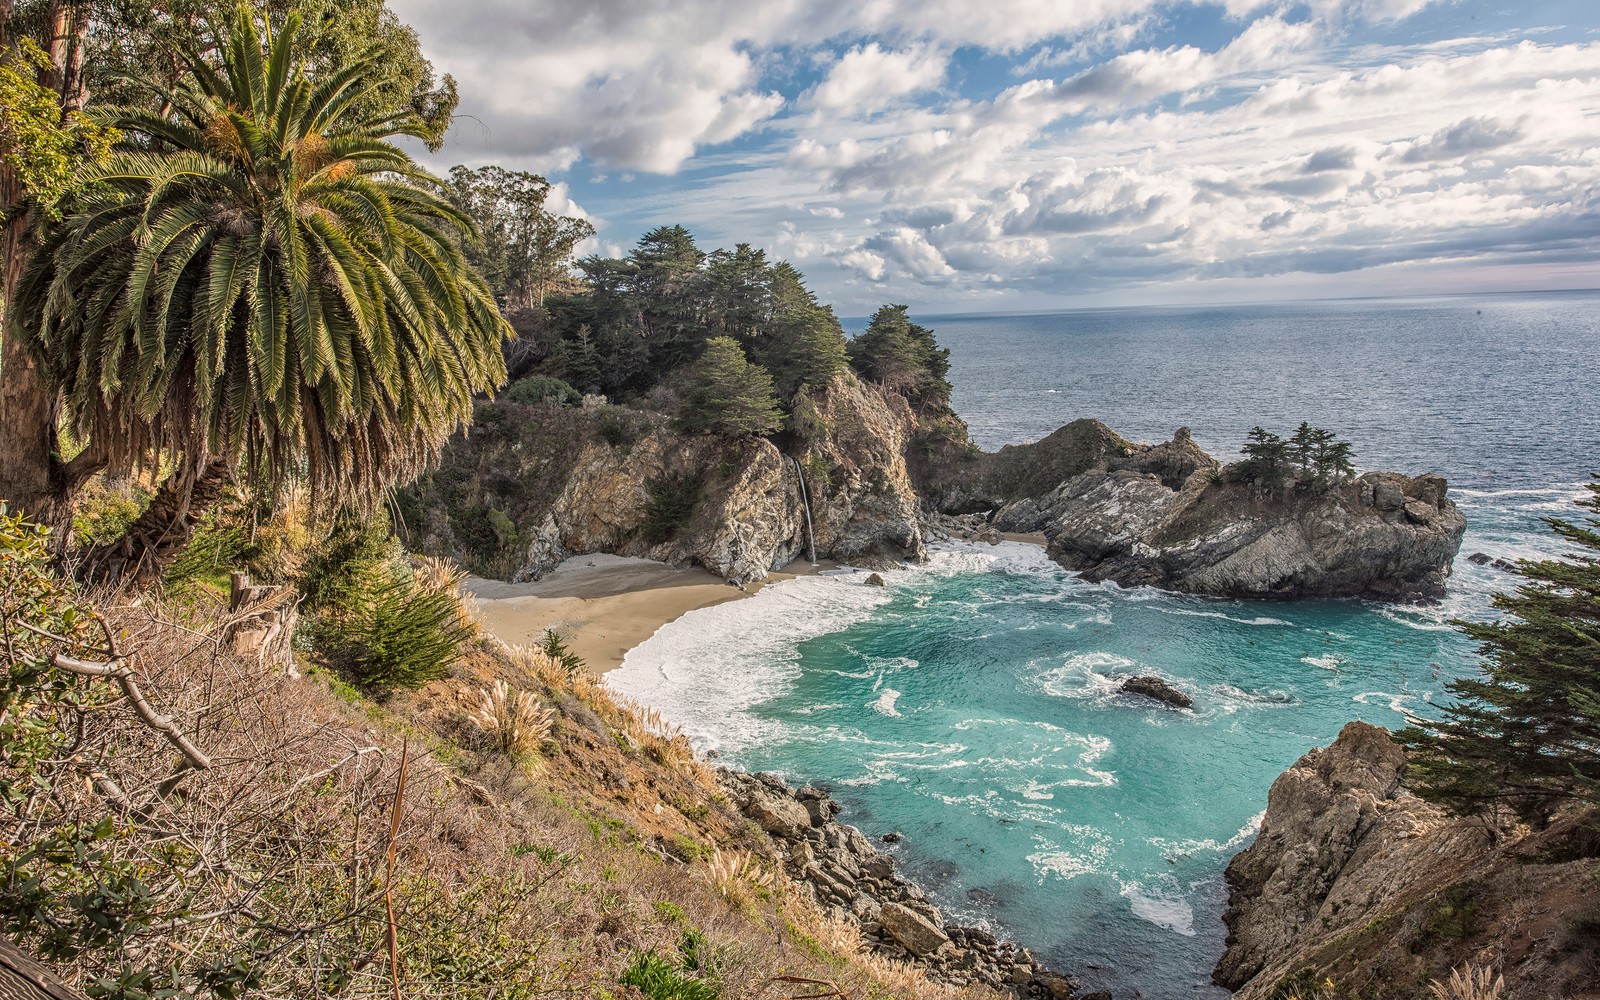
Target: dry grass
[512,721]
[1469,982]
[508,882]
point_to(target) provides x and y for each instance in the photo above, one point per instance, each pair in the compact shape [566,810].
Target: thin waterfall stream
[805,501]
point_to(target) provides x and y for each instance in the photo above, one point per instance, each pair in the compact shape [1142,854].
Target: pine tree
[1526,734]
[1303,447]
[1266,454]
[725,394]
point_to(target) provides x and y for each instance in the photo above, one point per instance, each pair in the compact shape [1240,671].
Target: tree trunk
[31,478]
[166,526]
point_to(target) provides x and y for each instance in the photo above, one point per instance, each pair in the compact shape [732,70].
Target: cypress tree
[727,395]
[1526,734]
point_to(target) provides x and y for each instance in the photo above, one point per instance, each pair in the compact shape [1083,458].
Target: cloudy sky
[973,155]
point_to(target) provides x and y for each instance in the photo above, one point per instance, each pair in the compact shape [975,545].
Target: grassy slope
[547,874]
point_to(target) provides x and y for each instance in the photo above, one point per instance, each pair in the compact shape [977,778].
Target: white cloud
[869,77]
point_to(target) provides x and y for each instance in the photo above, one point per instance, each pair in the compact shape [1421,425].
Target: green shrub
[219,546]
[103,516]
[542,388]
[332,573]
[669,504]
[553,646]
[392,633]
[660,979]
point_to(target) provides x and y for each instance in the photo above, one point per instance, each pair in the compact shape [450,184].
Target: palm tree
[262,285]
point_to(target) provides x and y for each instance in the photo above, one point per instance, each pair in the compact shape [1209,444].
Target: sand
[605,605]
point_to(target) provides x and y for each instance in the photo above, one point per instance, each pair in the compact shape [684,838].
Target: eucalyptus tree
[262,285]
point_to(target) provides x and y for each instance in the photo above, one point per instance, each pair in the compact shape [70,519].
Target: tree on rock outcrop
[725,394]
[903,356]
[1526,734]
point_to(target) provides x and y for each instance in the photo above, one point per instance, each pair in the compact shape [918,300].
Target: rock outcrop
[1354,879]
[624,482]
[1158,690]
[1381,536]
[850,878]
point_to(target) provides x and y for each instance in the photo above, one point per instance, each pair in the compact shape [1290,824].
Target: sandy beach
[604,605]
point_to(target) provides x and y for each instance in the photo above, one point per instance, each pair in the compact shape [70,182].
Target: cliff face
[1356,880]
[554,483]
[1163,516]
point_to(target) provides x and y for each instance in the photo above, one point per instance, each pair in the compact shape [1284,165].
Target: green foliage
[726,395]
[104,516]
[659,978]
[62,883]
[262,275]
[33,696]
[1313,456]
[335,570]
[131,48]
[220,544]
[1454,914]
[375,621]
[903,356]
[670,502]
[394,634]
[523,249]
[541,388]
[1526,734]
[46,152]
[555,647]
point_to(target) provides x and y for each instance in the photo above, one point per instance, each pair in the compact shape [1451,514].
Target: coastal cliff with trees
[252,746]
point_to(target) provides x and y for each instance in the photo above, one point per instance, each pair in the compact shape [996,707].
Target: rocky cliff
[1356,881]
[538,484]
[1167,516]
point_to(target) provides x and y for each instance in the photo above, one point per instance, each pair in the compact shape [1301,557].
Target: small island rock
[1158,689]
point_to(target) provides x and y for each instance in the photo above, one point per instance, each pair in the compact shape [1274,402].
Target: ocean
[971,704]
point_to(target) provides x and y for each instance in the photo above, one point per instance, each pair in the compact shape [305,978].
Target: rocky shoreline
[854,881]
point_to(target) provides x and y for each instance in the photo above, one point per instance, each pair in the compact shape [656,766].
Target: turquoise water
[971,704]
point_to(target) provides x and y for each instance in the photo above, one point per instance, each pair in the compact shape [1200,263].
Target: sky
[990,155]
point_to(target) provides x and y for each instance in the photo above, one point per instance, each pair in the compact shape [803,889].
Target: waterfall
[805,501]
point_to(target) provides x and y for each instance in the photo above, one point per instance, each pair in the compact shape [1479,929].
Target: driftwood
[21,978]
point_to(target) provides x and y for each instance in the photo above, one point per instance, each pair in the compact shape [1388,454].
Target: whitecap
[1262,620]
[1329,662]
[705,670]
[1395,702]
[884,705]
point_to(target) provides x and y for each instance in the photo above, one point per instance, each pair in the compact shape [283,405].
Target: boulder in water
[874,581]
[1158,689]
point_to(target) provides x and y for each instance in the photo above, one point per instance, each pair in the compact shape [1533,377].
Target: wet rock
[1158,689]
[891,838]
[1480,559]
[874,580]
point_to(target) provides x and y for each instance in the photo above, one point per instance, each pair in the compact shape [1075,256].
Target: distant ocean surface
[971,704]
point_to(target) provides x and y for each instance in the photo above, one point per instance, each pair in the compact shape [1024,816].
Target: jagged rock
[1225,539]
[777,814]
[1158,689]
[917,933]
[1479,559]
[1354,878]
[874,580]
[891,838]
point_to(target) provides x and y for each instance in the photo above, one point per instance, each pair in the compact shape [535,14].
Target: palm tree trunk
[151,543]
